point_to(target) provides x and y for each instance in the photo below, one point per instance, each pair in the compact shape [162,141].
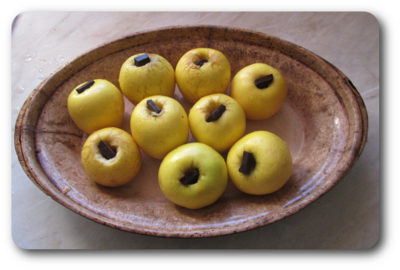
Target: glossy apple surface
[210,185]
[259,103]
[99,106]
[273,166]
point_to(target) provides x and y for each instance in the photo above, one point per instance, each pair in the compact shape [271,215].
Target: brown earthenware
[324,122]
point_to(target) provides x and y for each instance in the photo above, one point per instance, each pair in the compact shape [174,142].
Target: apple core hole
[216,113]
[107,151]
[264,81]
[248,163]
[159,105]
[154,107]
[191,177]
[201,62]
[114,149]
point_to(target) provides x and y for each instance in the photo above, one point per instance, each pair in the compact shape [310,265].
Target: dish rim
[28,158]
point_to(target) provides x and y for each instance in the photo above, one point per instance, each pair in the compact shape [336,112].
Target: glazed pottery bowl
[323,121]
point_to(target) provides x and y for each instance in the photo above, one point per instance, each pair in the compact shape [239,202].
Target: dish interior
[313,122]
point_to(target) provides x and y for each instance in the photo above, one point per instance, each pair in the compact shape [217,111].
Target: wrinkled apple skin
[211,183]
[154,78]
[194,81]
[117,171]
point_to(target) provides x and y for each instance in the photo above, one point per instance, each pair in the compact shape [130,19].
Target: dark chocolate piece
[142,60]
[216,114]
[153,106]
[264,82]
[85,86]
[107,152]
[190,178]
[201,62]
[248,163]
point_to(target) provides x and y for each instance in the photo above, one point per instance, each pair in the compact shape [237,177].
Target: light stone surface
[347,217]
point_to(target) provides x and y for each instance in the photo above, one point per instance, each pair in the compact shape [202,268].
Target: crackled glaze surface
[323,121]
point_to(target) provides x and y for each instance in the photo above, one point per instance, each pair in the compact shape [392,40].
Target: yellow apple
[96,104]
[117,170]
[272,164]
[193,175]
[201,72]
[159,133]
[259,103]
[219,132]
[156,77]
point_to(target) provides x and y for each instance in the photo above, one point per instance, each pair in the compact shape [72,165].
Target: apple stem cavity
[201,62]
[248,163]
[142,60]
[105,150]
[190,178]
[84,87]
[152,106]
[216,114]
[264,82]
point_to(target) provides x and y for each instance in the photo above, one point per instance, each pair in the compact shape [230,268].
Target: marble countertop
[347,217]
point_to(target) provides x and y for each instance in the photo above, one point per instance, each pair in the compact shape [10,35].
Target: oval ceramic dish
[324,122]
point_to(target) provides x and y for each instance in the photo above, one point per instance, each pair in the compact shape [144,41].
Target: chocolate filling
[216,114]
[106,151]
[264,82]
[190,178]
[85,86]
[152,106]
[201,62]
[248,163]
[142,60]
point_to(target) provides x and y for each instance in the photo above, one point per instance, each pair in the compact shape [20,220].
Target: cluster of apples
[192,175]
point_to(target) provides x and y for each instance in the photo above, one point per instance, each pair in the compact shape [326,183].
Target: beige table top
[347,217]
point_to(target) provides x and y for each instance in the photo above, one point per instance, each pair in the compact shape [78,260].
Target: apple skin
[258,103]
[154,78]
[194,81]
[273,168]
[226,130]
[100,106]
[211,183]
[158,134]
[117,171]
